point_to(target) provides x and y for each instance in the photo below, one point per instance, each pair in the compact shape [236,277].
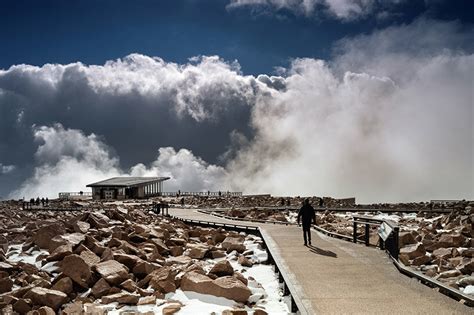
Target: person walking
[307,214]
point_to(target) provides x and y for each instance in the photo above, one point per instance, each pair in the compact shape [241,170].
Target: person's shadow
[321,251]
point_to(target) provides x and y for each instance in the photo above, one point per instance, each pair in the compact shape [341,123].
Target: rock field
[101,261]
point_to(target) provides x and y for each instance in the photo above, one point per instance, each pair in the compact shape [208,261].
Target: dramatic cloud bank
[389,118]
[341,9]
[69,160]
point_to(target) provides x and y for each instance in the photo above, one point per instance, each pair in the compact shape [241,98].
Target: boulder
[100,288]
[75,308]
[44,310]
[46,297]
[217,254]
[466,281]
[222,268]
[231,288]
[444,253]
[197,251]
[467,266]
[196,282]
[144,268]
[405,238]
[45,234]
[160,245]
[22,306]
[421,260]
[74,267]
[179,260]
[413,251]
[449,274]
[244,261]
[122,297]
[129,285]
[231,243]
[64,285]
[81,227]
[89,257]
[171,308]
[60,252]
[128,260]
[218,237]
[176,250]
[98,220]
[451,240]
[147,300]
[162,280]
[73,239]
[241,278]
[228,287]
[112,271]
[6,285]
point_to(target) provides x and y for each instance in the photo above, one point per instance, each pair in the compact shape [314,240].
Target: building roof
[127,181]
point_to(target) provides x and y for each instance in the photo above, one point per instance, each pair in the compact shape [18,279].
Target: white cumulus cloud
[388,118]
[68,160]
[340,9]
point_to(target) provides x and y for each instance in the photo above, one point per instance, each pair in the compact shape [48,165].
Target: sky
[366,98]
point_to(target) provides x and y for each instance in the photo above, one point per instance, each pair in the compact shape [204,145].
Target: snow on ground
[14,254]
[292,216]
[30,256]
[469,289]
[262,281]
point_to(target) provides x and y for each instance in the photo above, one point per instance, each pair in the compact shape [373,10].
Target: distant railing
[201,193]
[74,195]
[388,233]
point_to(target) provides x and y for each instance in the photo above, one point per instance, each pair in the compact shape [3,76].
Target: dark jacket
[308,214]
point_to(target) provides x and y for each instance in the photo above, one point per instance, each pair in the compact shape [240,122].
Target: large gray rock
[46,297]
[222,268]
[112,271]
[64,285]
[45,234]
[81,227]
[444,253]
[163,280]
[464,282]
[122,298]
[197,251]
[231,243]
[405,238]
[228,287]
[413,251]
[451,240]
[74,267]
[100,288]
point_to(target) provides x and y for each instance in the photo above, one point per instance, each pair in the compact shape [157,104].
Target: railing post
[294,307]
[354,232]
[366,234]
[395,242]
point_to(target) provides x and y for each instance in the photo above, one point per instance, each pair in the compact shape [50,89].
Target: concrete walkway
[339,277]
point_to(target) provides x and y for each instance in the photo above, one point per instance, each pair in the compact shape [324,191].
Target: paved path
[339,277]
